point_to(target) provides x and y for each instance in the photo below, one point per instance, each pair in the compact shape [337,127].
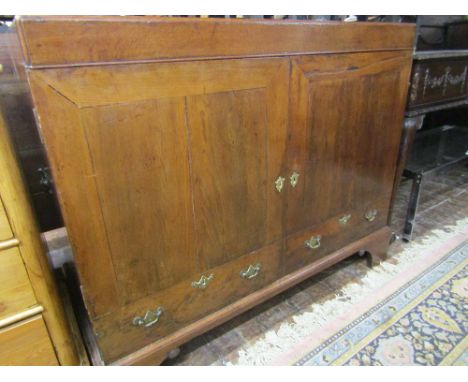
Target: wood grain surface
[90,40]
[16,293]
[5,229]
[27,344]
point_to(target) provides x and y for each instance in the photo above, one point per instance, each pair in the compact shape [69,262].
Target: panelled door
[346,119]
[165,170]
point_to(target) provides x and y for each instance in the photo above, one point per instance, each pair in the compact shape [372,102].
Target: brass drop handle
[203,282]
[313,242]
[370,215]
[294,179]
[251,272]
[344,219]
[151,317]
[279,183]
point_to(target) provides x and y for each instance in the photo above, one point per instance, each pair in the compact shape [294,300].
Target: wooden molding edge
[13,319]
[50,41]
[10,243]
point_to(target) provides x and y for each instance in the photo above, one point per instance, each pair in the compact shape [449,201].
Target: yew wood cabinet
[204,165]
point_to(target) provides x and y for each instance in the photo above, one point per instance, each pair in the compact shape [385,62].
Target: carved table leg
[411,125]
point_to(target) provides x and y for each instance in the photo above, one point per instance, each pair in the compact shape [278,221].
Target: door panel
[141,168]
[346,118]
[229,141]
[165,170]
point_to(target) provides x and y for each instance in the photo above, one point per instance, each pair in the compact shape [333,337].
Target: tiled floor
[444,200]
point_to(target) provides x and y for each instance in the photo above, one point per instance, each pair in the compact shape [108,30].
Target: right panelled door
[346,119]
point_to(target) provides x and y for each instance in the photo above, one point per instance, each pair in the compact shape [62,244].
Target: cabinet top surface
[49,41]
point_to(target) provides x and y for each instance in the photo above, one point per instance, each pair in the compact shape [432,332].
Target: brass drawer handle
[279,183]
[251,272]
[203,282]
[370,215]
[313,242]
[344,219]
[150,318]
[294,178]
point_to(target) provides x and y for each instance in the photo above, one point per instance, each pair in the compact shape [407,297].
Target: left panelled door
[165,171]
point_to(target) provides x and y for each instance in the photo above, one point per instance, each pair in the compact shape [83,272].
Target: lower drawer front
[26,343]
[16,293]
[312,244]
[119,335]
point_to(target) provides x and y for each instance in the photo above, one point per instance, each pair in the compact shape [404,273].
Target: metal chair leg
[412,208]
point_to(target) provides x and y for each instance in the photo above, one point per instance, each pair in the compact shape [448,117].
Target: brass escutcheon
[294,178]
[279,183]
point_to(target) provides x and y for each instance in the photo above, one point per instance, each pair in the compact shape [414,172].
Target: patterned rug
[423,323]
[412,312]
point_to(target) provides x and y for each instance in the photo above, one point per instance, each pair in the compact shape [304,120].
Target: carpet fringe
[278,341]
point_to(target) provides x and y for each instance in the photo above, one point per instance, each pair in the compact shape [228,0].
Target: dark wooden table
[439,80]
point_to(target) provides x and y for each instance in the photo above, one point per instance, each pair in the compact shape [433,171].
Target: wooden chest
[206,165]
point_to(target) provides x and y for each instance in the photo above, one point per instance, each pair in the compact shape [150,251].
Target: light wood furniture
[33,328]
[214,163]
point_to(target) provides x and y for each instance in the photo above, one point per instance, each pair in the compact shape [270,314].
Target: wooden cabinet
[215,163]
